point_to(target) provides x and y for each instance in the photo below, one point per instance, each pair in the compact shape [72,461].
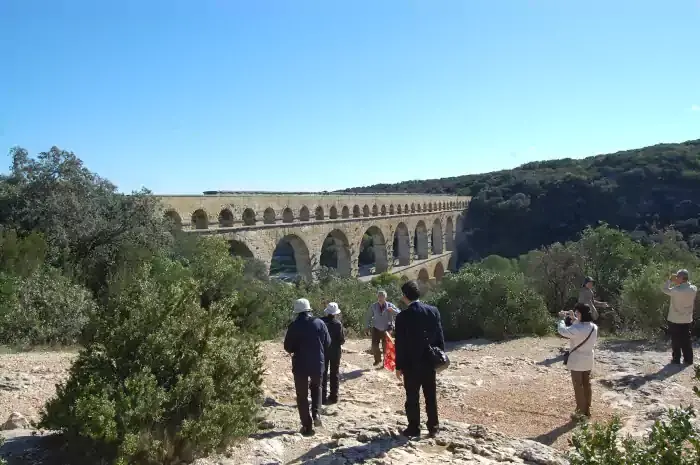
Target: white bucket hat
[332,309]
[302,305]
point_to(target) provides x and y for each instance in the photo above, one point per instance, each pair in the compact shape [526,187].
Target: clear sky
[185,96]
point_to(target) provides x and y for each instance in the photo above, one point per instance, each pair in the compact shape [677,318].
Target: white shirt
[682,302]
[582,358]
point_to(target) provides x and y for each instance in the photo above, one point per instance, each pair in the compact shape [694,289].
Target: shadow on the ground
[550,438]
[355,454]
[271,434]
[552,360]
[354,374]
[629,345]
[24,447]
[637,381]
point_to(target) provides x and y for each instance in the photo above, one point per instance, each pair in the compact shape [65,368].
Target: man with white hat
[307,339]
[680,315]
[335,329]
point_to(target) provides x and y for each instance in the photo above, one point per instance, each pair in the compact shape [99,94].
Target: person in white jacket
[583,336]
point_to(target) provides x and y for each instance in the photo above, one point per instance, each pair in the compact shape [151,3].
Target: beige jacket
[682,302]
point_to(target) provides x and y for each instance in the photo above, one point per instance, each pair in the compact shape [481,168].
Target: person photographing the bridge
[380,318]
[332,366]
[587,296]
[307,339]
[583,336]
[680,315]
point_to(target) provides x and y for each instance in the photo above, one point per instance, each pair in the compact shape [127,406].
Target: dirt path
[518,389]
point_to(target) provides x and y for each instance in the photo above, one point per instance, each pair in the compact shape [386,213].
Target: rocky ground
[499,402]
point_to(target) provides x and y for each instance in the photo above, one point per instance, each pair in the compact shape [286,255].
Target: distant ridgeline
[539,203]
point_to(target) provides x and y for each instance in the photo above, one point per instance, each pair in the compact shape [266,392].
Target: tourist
[335,329]
[380,319]
[680,316]
[417,328]
[307,339]
[586,296]
[583,336]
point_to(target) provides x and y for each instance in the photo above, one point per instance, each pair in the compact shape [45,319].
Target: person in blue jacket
[307,339]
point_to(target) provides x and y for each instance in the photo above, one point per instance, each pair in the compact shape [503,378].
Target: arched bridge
[357,234]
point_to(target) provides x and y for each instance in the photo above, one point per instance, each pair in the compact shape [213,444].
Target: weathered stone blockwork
[425,225]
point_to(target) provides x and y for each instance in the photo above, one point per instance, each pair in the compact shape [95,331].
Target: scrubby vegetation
[170,322]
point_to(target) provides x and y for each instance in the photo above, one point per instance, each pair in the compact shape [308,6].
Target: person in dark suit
[307,339]
[417,327]
[335,329]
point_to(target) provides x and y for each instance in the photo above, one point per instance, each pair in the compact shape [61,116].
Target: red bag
[389,353]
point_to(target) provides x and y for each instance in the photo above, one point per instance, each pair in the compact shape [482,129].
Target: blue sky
[186,96]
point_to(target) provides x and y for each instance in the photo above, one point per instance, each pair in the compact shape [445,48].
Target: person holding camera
[586,296]
[680,315]
[582,336]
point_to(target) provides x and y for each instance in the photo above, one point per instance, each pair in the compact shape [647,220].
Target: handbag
[438,357]
[569,352]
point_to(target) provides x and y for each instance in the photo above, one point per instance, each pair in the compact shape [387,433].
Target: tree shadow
[637,345]
[550,438]
[354,454]
[350,375]
[22,447]
[637,381]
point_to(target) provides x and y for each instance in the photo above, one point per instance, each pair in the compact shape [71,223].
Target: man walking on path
[417,328]
[307,339]
[380,319]
[680,315]
[335,329]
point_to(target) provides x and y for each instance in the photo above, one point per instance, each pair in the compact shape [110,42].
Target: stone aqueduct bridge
[421,227]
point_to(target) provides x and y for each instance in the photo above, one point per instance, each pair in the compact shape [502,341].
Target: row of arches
[200,218]
[291,256]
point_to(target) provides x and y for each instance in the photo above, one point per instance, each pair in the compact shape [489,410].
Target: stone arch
[383,211]
[375,210]
[424,276]
[365,211]
[356,211]
[425,206]
[391,209]
[418,208]
[420,241]
[413,208]
[372,252]
[405,208]
[402,245]
[225,218]
[239,249]
[248,217]
[269,216]
[319,214]
[287,215]
[174,220]
[449,235]
[304,213]
[437,237]
[439,272]
[334,213]
[291,257]
[430,206]
[200,219]
[345,212]
[335,253]
[398,209]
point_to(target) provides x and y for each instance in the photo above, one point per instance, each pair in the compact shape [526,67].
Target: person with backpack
[582,336]
[332,366]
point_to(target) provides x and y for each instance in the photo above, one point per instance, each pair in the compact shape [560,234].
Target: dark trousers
[413,380]
[332,368]
[680,342]
[582,391]
[303,384]
[377,338]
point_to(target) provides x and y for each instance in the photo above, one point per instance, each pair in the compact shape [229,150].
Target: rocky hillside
[506,402]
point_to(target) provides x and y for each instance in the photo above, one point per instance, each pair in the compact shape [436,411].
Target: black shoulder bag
[569,352]
[438,357]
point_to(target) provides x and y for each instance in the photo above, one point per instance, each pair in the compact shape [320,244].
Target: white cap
[302,305]
[332,309]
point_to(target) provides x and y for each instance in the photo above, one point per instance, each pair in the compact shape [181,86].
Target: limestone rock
[15,421]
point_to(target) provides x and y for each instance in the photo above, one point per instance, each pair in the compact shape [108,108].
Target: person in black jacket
[307,339]
[417,327]
[335,329]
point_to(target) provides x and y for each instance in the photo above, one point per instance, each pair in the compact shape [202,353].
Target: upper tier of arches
[232,216]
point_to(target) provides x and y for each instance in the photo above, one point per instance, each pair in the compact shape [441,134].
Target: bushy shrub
[164,379]
[44,308]
[476,302]
[643,306]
